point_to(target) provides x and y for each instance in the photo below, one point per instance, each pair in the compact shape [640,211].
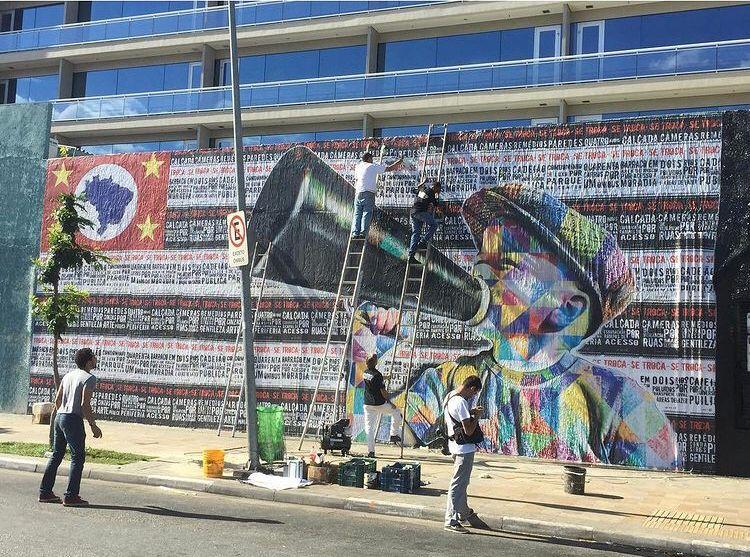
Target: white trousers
[372,414]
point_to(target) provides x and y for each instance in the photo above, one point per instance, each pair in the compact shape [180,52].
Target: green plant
[58,308]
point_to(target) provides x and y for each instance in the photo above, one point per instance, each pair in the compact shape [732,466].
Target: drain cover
[693,523]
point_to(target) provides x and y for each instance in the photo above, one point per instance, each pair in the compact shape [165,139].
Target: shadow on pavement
[620,550]
[161,511]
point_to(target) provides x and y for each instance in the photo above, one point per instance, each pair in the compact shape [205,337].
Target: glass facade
[225,142]
[140,79]
[667,29]
[471,48]
[305,64]
[98,10]
[660,112]
[40,88]
[178,145]
[39,16]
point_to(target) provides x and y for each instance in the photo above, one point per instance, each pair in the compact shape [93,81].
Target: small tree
[57,308]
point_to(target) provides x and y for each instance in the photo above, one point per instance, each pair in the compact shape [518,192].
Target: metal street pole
[246,271]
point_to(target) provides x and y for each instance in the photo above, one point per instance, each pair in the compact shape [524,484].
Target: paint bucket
[294,468]
[574,480]
[213,463]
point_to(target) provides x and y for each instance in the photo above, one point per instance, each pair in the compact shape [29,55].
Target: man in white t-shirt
[458,413]
[366,186]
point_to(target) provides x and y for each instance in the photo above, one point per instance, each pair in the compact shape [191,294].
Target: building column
[203,137]
[562,115]
[565,34]
[70,12]
[373,39]
[208,62]
[368,126]
[64,80]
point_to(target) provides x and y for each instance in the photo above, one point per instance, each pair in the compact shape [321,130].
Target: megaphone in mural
[306,209]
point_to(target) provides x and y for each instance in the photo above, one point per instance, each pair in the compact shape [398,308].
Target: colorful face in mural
[537,312]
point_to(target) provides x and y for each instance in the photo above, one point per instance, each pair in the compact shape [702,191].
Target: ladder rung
[356,252]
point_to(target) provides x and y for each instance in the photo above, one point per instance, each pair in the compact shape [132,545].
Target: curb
[696,548]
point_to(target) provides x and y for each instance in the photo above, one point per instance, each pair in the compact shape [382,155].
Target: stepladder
[234,396]
[345,304]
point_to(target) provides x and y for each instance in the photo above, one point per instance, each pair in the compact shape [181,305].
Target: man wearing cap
[554,278]
[426,200]
[365,186]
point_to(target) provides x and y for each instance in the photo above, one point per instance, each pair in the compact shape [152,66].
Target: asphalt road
[126,520]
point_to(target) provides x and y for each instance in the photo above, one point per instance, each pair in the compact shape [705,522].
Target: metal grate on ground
[694,523]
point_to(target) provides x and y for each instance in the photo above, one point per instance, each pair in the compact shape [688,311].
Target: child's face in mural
[537,312]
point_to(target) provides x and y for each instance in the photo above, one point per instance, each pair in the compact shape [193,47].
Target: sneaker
[463,519]
[49,498]
[74,501]
[395,439]
[370,455]
[455,526]
[413,260]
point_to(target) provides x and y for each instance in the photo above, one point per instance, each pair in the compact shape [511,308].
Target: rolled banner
[306,208]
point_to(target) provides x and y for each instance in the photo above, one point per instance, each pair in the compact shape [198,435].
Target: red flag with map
[126,198]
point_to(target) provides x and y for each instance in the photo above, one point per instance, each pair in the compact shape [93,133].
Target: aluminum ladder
[347,295]
[412,287]
[234,411]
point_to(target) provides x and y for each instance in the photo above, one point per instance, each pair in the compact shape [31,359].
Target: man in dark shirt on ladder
[376,405]
[426,200]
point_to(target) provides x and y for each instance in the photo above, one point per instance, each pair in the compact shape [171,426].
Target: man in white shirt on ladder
[366,186]
[462,445]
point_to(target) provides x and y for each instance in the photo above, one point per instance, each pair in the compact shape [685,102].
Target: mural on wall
[572,272]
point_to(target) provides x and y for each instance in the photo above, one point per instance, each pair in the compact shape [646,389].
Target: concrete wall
[24,139]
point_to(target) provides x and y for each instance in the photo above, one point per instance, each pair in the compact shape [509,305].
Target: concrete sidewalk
[678,513]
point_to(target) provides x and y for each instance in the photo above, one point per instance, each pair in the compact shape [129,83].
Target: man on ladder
[365,185]
[426,200]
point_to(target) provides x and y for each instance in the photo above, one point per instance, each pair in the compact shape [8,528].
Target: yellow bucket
[213,463]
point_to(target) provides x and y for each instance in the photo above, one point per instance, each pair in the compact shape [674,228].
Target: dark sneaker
[74,501]
[49,498]
[466,518]
[455,526]
[396,439]
[413,260]
[370,455]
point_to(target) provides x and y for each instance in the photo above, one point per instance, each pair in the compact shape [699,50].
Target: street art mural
[572,273]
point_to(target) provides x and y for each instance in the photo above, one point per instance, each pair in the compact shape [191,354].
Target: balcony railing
[190,21]
[632,64]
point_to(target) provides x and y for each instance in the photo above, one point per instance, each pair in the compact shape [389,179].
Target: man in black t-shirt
[426,200]
[377,404]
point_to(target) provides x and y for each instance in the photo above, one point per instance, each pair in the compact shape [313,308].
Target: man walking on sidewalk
[365,186]
[462,445]
[426,200]
[73,403]
[377,405]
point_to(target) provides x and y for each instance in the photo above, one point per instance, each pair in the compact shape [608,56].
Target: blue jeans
[364,207]
[68,432]
[417,221]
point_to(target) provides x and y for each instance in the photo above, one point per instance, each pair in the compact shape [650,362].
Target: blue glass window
[178,145]
[347,60]
[41,88]
[674,28]
[302,64]
[140,79]
[407,55]
[292,65]
[622,33]
[102,9]
[477,48]
[517,44]
[41,16]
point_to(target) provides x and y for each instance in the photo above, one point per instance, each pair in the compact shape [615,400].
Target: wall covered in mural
[572,273]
